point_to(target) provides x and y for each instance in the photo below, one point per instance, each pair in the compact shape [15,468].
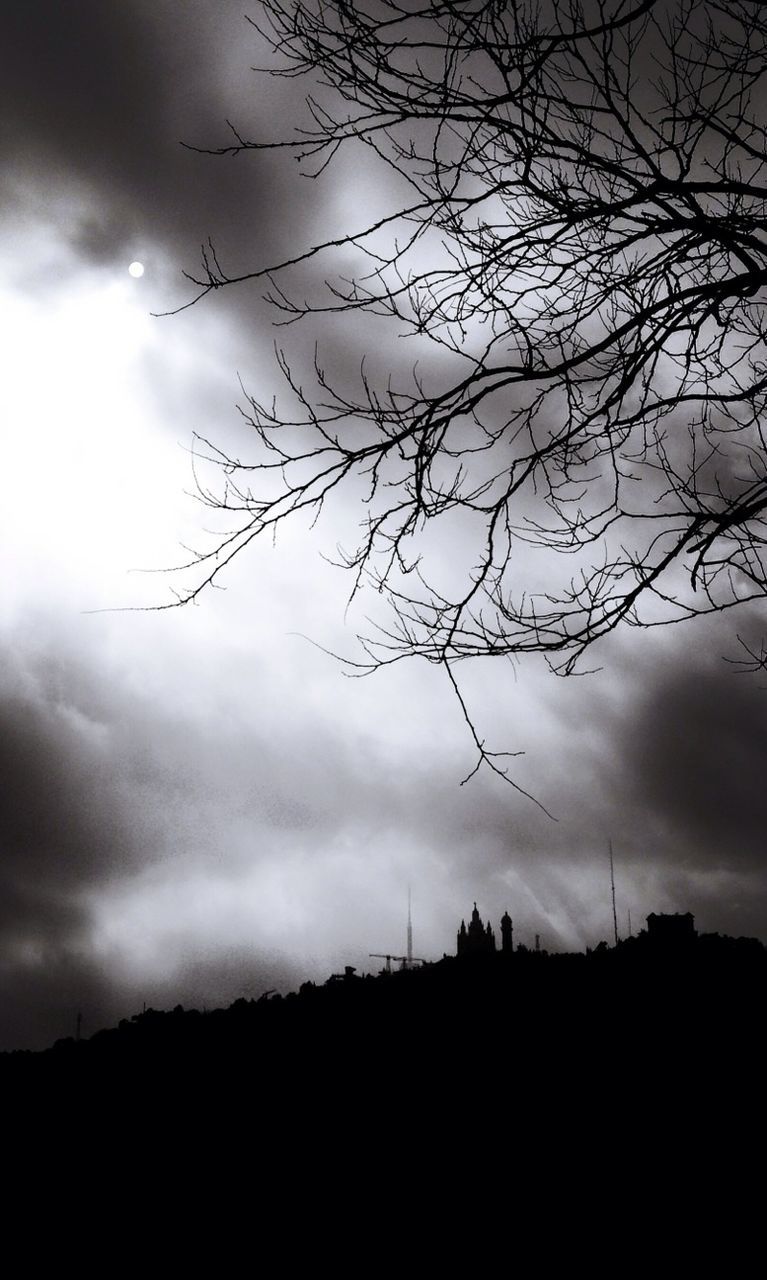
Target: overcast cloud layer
[197,805]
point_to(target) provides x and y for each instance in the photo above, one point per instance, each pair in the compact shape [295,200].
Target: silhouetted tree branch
[584,251]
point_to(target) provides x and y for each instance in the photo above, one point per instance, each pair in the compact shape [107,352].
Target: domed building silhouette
[479,940]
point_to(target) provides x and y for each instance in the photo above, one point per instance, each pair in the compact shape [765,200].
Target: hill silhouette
[667,992]
[487,1074]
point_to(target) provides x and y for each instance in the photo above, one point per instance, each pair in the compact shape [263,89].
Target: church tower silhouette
[478,939]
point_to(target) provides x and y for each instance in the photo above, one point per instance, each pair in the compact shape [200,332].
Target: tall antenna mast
[409,932]
[612,887]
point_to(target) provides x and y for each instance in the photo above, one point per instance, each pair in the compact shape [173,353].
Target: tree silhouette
[579,259]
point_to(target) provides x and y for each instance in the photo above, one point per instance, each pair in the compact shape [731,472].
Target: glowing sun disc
[136,269]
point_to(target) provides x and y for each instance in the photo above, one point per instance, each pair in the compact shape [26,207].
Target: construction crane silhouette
[402,961]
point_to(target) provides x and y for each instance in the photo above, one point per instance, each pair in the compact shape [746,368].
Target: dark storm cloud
[698,751]
[63,827]
[671,768]
[61,822]
[95,787]
[98,97]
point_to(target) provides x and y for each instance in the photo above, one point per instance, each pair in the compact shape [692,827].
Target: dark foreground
[487,1084]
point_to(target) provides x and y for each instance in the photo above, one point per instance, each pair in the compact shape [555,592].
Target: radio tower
[612,886]
[409,933]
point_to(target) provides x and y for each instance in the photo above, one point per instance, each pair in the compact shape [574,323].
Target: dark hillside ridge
[668,993]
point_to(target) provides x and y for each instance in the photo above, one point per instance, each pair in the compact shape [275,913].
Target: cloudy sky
[197,804]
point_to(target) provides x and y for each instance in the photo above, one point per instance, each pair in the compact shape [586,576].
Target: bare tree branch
[585,250]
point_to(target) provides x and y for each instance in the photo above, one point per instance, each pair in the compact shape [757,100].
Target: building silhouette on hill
[671,930]
[479,940]
[664,933]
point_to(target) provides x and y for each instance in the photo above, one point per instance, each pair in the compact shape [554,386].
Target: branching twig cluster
[584,248]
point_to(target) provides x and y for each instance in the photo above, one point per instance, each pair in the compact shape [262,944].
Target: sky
[198,804]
